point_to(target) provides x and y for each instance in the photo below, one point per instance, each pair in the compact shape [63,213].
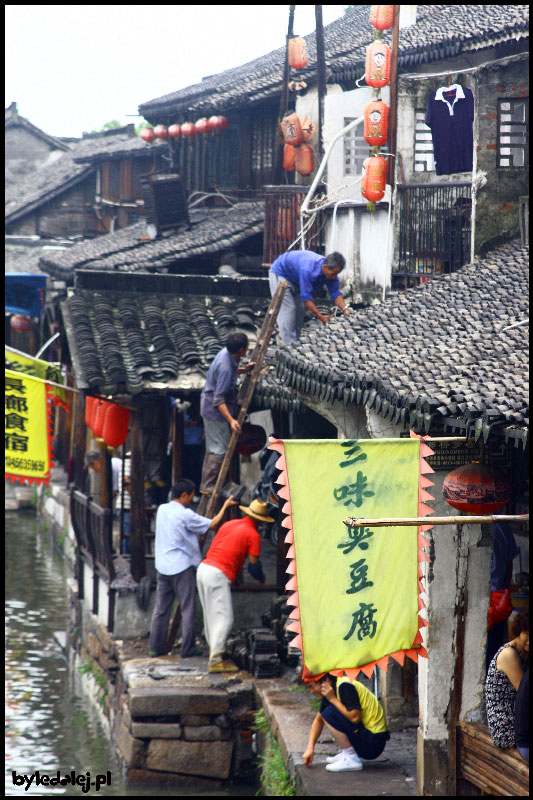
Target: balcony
[282,222]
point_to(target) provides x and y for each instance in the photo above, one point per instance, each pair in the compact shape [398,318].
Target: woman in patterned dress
[503,679]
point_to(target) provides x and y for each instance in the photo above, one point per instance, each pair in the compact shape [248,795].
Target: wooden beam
[353,522]
[138,520]
[321,75]
[393,115]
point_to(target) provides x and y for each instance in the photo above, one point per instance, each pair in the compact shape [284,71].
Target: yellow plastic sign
[27,432]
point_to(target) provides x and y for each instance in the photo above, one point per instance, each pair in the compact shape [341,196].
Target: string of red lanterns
[185,129]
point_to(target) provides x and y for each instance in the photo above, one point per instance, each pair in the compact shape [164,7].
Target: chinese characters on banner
[357,588]
[27,429]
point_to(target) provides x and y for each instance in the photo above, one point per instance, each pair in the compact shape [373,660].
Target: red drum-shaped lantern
[99,417]
[20,323]
[115,430]
[477,489]
[376,123]
[161,131]
[90,409]
[213,123]
[147,135]
[289,156]
[377,65]
[175,131]
[223,123]
[298,57]
[382,17]
[291,129]
[308,129]
[374,178]
[188,129]
[202,125]
[252,438]
[304,163]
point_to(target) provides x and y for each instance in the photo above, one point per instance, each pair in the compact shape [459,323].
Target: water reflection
[50,724]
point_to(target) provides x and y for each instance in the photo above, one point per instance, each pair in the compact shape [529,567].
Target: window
[513,132]
[355,149]
[424,160]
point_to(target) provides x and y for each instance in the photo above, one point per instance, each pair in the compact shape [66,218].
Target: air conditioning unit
[165,203]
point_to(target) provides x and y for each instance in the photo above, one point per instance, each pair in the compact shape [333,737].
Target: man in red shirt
[234,541]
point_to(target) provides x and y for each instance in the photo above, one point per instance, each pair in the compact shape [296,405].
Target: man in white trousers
[234,541]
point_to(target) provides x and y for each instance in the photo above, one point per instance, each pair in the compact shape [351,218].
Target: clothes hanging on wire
[450,115]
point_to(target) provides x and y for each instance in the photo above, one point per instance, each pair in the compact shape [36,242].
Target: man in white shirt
[177,555]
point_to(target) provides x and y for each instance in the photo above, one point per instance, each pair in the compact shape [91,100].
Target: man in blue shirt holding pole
[305,272]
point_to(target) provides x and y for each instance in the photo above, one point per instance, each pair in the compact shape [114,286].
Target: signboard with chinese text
[357,589]
[27,429]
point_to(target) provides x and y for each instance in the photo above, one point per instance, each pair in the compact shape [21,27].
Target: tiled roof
[440,32]
[457,347]
[132,147]
[211,230]
[14,119]
[40,186]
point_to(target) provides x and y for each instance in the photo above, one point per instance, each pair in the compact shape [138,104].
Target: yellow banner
[357,588]
[27,434]
[28,365]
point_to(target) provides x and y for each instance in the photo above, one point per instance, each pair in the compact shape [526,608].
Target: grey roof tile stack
[456,347]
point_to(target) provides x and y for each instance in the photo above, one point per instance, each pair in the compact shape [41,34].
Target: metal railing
[434,228]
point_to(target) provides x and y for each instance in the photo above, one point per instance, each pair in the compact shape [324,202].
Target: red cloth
[234,541]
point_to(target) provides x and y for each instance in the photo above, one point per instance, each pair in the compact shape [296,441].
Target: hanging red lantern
[304,162]
[90,409]
[20,323]
[223,123]
[175,131]
[374,178]
[202,125]
[298,56]
[115,430]
[308,129]
[477,488]
[377,65]
[102,408]
[213,123]
[382,17]
[147,134]
[291,129]
[289,156]
[252,438]
[188,129]
[376,123]
[161,132]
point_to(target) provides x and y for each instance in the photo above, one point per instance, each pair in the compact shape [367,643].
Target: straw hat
[257,510]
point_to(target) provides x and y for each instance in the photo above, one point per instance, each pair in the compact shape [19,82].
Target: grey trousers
[291,312]
[183,587]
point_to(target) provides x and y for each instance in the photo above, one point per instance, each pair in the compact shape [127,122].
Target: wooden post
[177,446]
[80,438]
[393,116]
[321,75]
[106,480]
[138,523]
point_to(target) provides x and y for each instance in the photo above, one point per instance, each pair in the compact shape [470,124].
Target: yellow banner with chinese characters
[27,429]
[357,589]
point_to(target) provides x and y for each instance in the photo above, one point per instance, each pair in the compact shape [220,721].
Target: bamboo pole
[353,522]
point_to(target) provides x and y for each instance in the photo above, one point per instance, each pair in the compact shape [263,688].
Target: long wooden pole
[393,117]
[353,522]
[284,101]
[321,75]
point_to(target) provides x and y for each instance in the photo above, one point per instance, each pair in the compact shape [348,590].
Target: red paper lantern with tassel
[374,178]
[376,128]
[161,131]
[174,131]
[115,429]
[202,125]
[90,409]
[377,65]
[291,129]
[304,162]
[99,417]
[298,56]
[188,129]
[477,488]
[382,17]
[147,135]
[289,156]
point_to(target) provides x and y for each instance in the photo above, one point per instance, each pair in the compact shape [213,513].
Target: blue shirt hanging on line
[450,115]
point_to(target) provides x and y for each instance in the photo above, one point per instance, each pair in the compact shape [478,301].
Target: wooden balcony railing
[282,222]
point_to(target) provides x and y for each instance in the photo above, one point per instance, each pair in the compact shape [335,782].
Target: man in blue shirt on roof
[305,272]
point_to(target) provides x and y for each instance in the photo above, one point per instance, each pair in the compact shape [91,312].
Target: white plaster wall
[87,586]
[103,602]
[342,235]
[375,262]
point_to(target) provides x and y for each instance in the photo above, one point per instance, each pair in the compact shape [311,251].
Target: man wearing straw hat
[234,541]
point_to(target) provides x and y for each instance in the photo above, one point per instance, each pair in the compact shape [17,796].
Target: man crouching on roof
[355,719]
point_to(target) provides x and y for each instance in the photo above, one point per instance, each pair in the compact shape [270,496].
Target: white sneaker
[331,759]
[345,764]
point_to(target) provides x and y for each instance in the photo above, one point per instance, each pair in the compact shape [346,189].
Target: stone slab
[162,701]
[205,733]
[131,748]
[211,760]
[155,730]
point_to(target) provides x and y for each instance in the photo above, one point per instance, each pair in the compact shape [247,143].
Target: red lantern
[175,131]
[298,57]
[90,409]
[147,134]
[291,129]
[377,65]
[376,123]
[477,488]
[115,430]
[223,123]
[374,178]
[188,129]
[99,417]
[304,163]
[382,17]
[202,125]
[20,323]
[161,131]
[213,123]
[308,129]
[252,438]
[289,156]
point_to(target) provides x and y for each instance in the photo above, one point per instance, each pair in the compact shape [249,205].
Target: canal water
[51,726]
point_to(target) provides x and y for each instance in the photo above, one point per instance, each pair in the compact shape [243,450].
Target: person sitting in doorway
[355,719]
[177,555]
[234,541]
[503,679]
